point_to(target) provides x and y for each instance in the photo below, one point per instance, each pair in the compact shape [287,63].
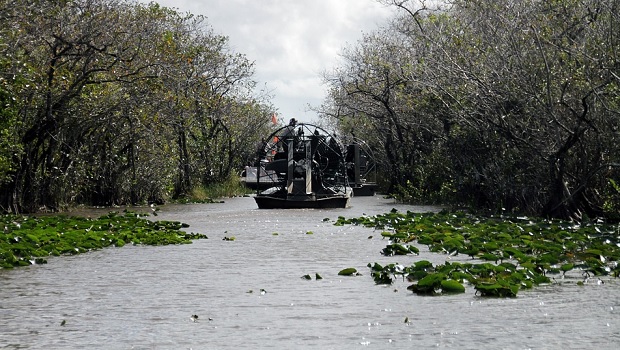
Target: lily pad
[452,286]
[350,271]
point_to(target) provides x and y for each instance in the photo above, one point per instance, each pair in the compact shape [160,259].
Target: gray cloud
[291,41]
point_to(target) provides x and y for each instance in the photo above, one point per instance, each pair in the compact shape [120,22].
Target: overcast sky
[290,41]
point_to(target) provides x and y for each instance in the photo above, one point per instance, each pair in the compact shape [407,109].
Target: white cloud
[291,41]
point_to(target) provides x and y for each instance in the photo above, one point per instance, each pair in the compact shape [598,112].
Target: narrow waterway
[249,294]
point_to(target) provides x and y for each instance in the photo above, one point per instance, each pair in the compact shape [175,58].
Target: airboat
[361,168]
[300,166]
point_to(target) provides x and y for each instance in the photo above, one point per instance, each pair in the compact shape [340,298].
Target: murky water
[139,297]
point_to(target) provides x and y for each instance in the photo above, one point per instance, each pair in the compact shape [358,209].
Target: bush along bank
[28,240]
[508,253]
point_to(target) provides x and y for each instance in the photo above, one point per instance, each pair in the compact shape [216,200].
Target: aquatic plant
[349,271]
[399,249]
[509,253]
[309,277]
[28,240]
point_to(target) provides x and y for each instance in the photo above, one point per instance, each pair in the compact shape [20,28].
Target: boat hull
[367,189]
[269,202]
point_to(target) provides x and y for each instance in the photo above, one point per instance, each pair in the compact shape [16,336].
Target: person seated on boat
[287,133]
[316,140]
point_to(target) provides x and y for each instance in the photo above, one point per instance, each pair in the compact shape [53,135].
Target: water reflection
[143,297]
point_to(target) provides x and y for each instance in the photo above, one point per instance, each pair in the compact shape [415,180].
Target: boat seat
[279,166]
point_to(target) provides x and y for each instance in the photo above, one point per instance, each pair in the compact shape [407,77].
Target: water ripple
[143,297]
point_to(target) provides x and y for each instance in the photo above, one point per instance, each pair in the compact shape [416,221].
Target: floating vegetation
[349,271]
[28,240]
[399,249]
[309,277]
[508,253]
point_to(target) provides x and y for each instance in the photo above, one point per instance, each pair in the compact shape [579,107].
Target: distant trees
[113,102]
[504,105]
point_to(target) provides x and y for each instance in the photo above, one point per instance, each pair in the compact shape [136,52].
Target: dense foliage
[109,102]
[509,105]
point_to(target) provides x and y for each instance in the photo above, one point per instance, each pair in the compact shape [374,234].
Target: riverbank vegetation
[117,102]
[27,240]
[496,255]
[502,105]
[509,106]
[228,188]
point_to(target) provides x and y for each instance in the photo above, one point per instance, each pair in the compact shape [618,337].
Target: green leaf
[452,286]
[348,271]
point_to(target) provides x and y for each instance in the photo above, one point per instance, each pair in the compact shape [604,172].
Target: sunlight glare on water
[249,294]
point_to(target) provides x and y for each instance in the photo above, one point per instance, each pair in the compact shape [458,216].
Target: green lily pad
[350,271]
[452,286]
